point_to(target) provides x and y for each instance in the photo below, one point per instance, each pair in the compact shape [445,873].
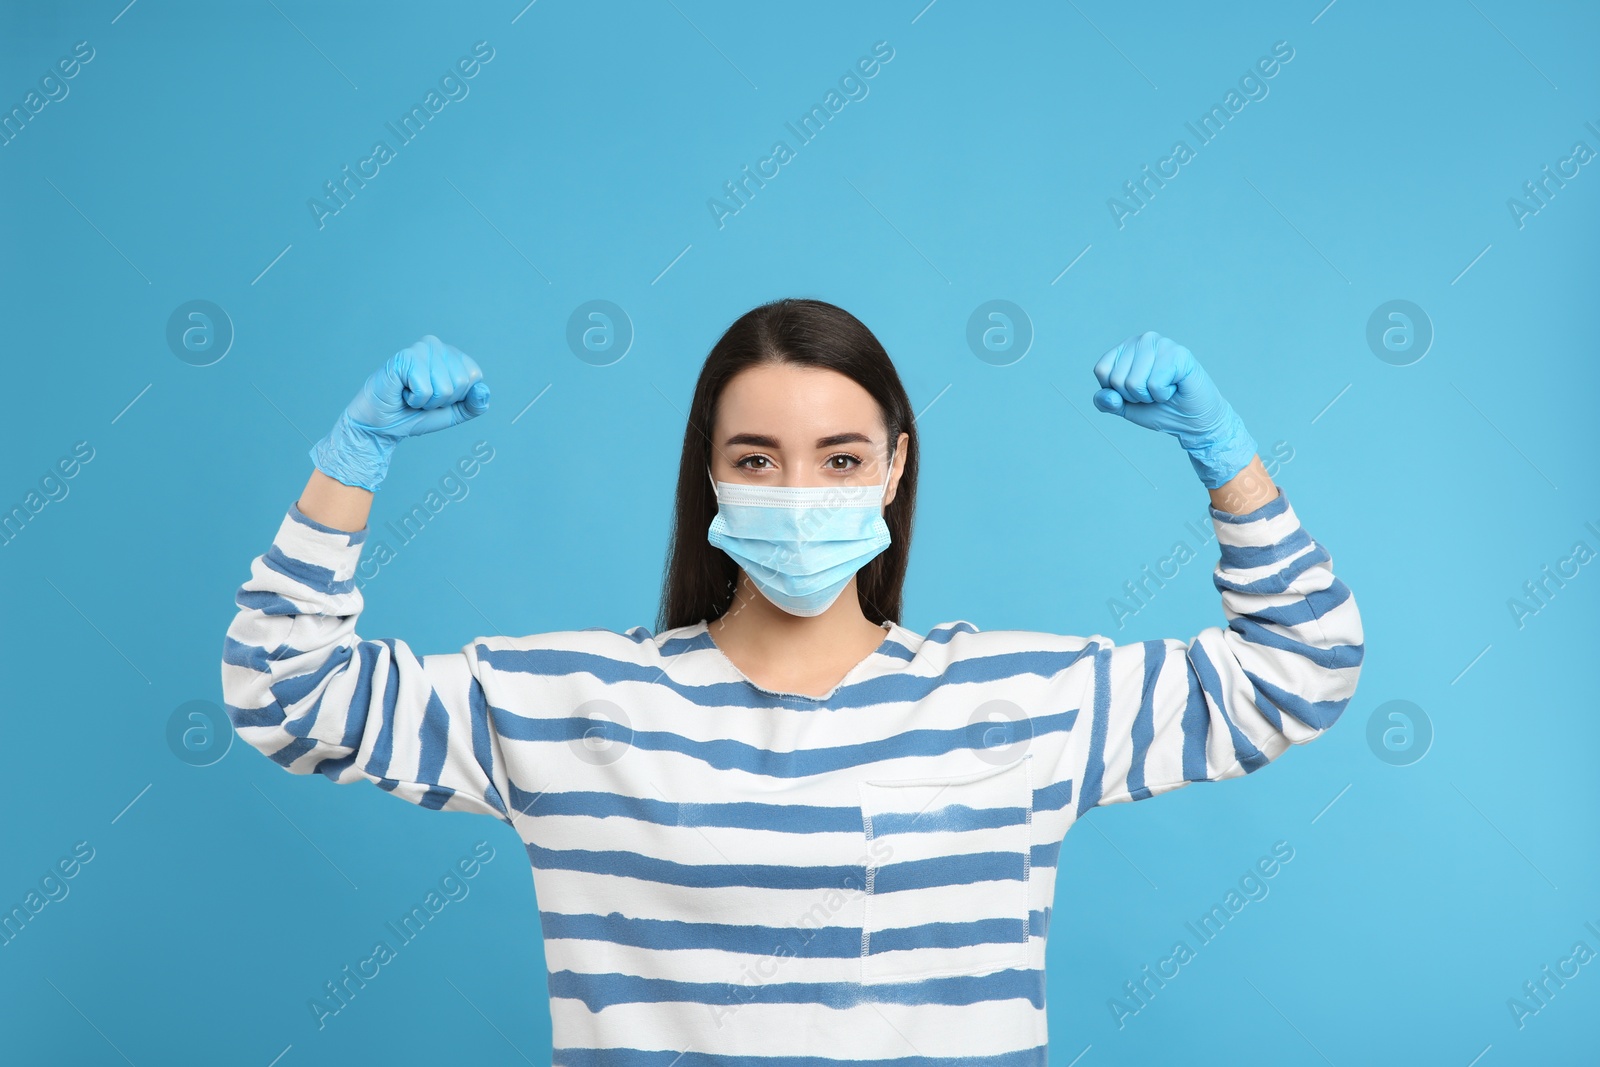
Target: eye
[842,461]
[755,461]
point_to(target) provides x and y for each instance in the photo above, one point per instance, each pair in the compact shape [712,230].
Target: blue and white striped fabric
[730,875]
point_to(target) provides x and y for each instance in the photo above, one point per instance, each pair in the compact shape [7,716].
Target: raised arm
[1165,713]
[298,683]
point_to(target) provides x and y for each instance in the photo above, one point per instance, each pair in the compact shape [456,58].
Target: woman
[784,825]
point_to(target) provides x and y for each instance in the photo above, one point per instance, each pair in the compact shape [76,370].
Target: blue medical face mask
[800,545]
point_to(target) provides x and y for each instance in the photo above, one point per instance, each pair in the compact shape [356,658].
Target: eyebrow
[764,441]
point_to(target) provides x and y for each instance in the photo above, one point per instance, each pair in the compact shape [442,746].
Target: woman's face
[784,424]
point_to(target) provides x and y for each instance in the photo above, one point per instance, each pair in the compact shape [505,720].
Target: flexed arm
[298,683]
[1169,712]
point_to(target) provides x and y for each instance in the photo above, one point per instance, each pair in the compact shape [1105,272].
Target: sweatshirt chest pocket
[947,892]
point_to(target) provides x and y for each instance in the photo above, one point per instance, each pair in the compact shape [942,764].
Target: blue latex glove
[1156,382]
[426,387]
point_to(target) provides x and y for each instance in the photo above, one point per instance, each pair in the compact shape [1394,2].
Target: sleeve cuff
[355,537]
[317,557]
[1271,509]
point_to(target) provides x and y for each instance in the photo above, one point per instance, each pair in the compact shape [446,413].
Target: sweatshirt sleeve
[301,687]
[1165,713]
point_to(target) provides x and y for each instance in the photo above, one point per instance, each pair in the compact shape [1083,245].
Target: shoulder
[634,643]
[611,656]
[949,642]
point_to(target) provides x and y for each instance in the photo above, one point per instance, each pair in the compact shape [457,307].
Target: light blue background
[222,897]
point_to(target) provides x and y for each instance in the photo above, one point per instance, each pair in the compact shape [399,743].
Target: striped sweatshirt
[729,875]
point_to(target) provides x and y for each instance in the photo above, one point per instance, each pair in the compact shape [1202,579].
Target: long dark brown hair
[699,579]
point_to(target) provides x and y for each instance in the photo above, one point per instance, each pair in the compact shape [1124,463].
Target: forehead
[785,400]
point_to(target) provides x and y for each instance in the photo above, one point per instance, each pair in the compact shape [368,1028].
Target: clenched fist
[426,387]
[1157,383]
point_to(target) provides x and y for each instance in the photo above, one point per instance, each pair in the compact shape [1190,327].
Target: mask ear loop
[714,495]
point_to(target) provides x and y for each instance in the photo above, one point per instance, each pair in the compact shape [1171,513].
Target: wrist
[334,506]
[353,456]
[1247,491]
[1217,456]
